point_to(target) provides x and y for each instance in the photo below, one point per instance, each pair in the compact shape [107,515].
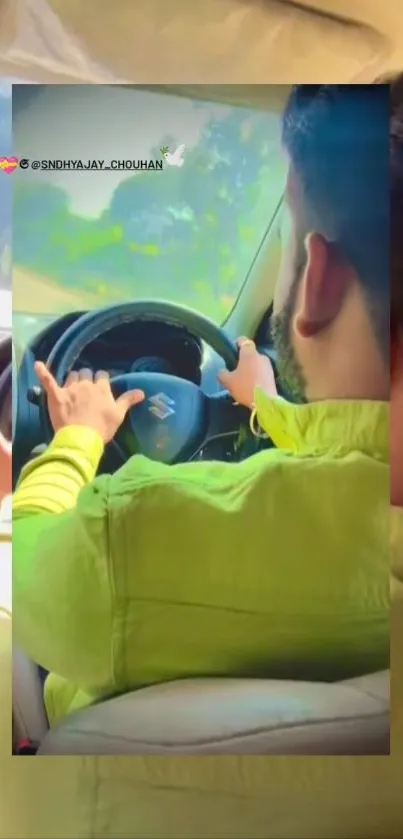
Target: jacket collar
[334,427]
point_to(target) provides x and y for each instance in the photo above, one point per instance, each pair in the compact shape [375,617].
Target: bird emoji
[173,158]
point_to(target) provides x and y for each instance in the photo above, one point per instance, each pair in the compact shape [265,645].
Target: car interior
[168,348]
[216,42]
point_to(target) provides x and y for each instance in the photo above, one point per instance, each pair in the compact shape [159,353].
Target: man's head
[331,309]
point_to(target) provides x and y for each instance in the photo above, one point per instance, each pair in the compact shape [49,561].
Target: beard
[290,373]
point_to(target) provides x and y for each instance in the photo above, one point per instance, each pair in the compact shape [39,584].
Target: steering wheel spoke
[119,451]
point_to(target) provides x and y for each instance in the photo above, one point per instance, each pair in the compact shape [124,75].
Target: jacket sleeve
[112,576]
[60,559]
[66,563]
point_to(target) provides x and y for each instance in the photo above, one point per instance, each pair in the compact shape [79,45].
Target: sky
[100,122]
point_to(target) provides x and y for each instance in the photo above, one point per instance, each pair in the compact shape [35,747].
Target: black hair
[337,138]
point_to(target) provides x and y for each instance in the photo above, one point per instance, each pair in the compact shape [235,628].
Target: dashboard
[147,346]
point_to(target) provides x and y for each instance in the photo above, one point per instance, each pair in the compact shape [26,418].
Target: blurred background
[83,239]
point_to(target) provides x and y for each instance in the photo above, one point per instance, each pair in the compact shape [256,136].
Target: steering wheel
[177,419]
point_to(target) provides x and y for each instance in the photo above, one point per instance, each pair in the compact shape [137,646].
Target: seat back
[233,716]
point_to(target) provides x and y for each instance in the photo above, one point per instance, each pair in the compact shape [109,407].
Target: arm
[73,571]
[63,566]
[52,580]
[136,583]
[51,483]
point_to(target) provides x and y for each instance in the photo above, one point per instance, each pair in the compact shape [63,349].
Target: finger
[85,375]
[247,349]
[131,398]
[46,379]
[72,377]
[103,381]
[101,376]
[243,340]
[246,346]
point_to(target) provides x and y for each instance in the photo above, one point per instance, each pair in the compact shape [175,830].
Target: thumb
[224,377]
[129,399]
[247,347]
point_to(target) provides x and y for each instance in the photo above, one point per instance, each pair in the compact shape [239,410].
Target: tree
[188,234]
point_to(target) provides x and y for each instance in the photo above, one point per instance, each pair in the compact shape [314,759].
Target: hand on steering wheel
[176,419]
[253,369]
[86,399]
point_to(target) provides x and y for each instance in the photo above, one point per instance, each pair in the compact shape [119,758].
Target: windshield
[179,214]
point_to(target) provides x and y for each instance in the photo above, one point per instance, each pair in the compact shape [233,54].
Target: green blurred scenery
[188,235]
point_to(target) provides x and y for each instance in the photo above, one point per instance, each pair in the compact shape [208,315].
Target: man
[275,566]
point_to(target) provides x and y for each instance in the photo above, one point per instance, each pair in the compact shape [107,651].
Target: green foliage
[186,234]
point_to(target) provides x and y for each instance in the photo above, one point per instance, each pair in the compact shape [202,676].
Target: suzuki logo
[161,406]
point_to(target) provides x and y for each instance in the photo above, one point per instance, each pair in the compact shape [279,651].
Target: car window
[184,223]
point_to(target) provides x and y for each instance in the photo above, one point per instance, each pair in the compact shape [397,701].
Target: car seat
[213,716]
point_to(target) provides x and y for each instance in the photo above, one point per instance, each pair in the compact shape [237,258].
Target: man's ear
[323,287]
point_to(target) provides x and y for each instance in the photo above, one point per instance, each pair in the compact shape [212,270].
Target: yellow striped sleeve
[52,482]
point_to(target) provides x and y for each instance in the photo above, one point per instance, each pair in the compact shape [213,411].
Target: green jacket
[276,566]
